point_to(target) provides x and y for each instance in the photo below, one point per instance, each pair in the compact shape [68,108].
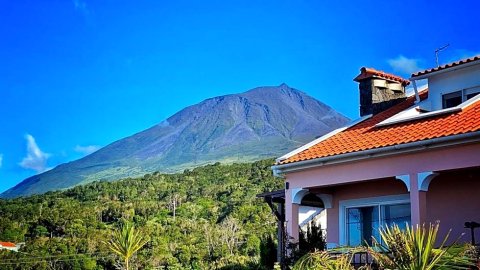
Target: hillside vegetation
[205,218]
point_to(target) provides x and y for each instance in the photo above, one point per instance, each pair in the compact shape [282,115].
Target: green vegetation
[409,249]
[311,242]
[322,260]
[205,218]
[414,249]
[126,241]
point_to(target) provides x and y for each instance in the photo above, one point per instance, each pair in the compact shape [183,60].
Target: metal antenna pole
[439,50]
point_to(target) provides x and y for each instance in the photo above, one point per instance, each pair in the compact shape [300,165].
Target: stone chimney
[379,90]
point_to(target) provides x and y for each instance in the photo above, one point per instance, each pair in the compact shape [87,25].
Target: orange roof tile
[7,244]
[365,135]
[454,64]
[371,72]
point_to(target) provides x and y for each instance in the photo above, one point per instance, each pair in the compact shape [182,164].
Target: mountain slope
[260,123]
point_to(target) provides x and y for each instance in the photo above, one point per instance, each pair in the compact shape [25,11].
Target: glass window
[452,99]
[471,92]
[363,223]
[396,214]
[469,96]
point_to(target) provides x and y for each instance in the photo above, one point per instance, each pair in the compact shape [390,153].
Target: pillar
[291,215]
[418,201]
[415,183]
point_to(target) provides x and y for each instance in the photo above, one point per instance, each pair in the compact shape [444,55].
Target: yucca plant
[322,260]
[126,241]
[414,249]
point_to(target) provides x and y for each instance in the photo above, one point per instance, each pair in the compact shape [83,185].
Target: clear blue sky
[76,75]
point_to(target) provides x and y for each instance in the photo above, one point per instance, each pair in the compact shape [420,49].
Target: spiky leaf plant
[126,241]
[322,260]
[414,249]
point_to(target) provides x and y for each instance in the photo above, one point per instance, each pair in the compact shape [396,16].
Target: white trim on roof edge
[322,138]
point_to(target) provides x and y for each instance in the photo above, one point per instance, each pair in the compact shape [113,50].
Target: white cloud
[86,150]
[81,6]
[404,65]
[36,159]
[1,160]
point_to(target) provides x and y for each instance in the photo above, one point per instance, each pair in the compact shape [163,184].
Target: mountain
[260,123]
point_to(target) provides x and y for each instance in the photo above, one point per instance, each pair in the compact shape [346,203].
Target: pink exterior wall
[454,206]
[382,167]
[360,179]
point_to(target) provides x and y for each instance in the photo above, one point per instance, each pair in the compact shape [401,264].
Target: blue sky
[77,75]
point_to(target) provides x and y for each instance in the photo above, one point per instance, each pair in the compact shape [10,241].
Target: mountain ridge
[260,123]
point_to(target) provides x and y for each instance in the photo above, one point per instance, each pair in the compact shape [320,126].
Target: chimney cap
[366,73]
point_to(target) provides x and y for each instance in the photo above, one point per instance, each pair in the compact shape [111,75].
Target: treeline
[205,218]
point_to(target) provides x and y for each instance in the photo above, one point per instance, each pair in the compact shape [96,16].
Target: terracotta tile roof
[365,136]
[454,64]
[7,244]
[371,72]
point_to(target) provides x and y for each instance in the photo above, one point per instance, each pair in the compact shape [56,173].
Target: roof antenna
[439,50]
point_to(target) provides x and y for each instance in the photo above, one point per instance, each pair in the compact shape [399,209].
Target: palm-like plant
[126,241]
[322,260]
[414,249]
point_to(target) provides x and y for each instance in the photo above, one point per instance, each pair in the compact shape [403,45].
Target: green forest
[204,218]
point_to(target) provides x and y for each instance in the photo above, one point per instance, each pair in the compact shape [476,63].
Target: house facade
[9,246]
[410,159]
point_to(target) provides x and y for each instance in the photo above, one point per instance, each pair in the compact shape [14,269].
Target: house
[410,158]
[9,246]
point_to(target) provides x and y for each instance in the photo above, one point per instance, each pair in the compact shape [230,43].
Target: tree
[77,222]
[268,252]
[313,239]
[126,241]
[310,241]
[230,233]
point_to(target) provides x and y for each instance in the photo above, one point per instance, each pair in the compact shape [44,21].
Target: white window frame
[463,94]
[469,91]
[365,202]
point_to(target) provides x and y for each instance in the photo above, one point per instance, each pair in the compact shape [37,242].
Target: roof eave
[443,70]
[466,138]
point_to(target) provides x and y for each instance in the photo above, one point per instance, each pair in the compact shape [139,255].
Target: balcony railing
[359,259]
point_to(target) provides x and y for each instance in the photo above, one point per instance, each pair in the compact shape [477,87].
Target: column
[291,215]
[418,201]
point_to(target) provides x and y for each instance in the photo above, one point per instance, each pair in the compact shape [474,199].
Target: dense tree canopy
[205,218]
